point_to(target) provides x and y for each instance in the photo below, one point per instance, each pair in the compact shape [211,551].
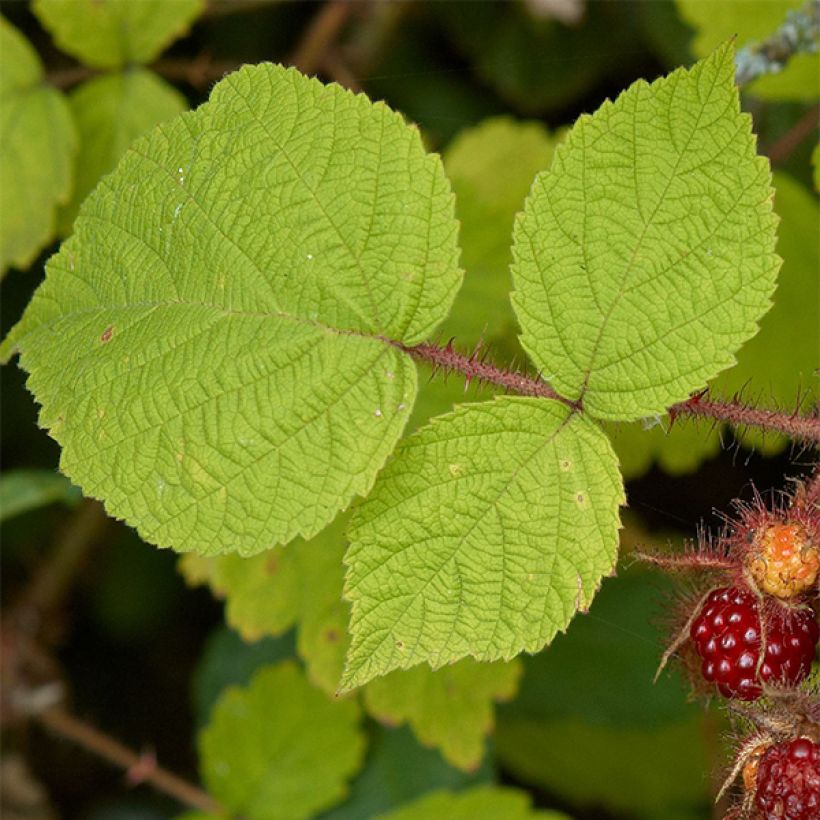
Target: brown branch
[804,428]
[140,768]
[320,35]
[783,147]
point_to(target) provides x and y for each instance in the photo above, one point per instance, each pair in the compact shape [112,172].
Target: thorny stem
[139,768]
[800,427]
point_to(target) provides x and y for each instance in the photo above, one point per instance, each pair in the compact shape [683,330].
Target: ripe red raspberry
[726,635]
[788,781]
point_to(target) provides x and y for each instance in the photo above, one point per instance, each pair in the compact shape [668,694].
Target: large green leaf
[776,368]
[451,708]
[484,535]
[750,21]
[486,802]
[110,113]
[113,33]
[208,347]
[280,749]
[645,256]
[38,141]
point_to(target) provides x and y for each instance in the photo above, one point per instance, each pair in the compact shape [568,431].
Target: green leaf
[486,802]
[280,749]
[815,167]
[450,709]
[776,368]
[110,113]
[751,21]
[652,773]
[115,33]
[38,141]
[24,490]
[396,771]
[491,167]
[208,347]
[484,535]
[645,256]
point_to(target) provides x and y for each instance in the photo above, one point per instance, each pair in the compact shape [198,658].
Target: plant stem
[140,768]
[800,427]
[320,35]
[784,146]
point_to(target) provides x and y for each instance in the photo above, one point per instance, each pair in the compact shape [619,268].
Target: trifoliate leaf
[450,709]
[645,256]
[208,347]
[484,535]
[24,490]
[110,113]
[280,749]
[749,22]
[38,141]
[595,766]
[491,167]
[486,802]
[114,33]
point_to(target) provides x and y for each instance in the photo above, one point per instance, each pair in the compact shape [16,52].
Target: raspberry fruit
[783,561]
[788,781]
[726,635]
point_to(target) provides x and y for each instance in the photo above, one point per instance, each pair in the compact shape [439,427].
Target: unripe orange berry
[783,561]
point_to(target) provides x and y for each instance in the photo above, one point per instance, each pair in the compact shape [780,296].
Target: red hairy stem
[800,427]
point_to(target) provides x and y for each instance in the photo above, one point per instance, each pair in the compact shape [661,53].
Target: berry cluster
[727,635]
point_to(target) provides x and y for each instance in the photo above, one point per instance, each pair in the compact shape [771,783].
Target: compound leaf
[280,749]
[110,112]
[114,33]
[38,139]
[645,256]
[750,21]
[486,802]
[484,535]
[208,346]
[450,708]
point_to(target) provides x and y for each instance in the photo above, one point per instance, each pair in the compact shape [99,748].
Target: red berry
[788,781]
[726,634]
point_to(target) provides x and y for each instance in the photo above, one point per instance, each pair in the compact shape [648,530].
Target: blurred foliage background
[143,651]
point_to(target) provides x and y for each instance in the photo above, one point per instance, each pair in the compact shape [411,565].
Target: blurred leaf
[601,671]
[450,708]
[491,168]
[38,139]
[775,368]
[227,660]
[110,112]
[280,749]
[815,167]
[654,773]
[398,769]
[24,490]
[540,65]
[114,33]
[665,32]
[751,21]
[485,802]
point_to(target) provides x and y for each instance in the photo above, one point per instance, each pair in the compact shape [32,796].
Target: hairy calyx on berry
[783,561]
[787,781]
[727,636]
